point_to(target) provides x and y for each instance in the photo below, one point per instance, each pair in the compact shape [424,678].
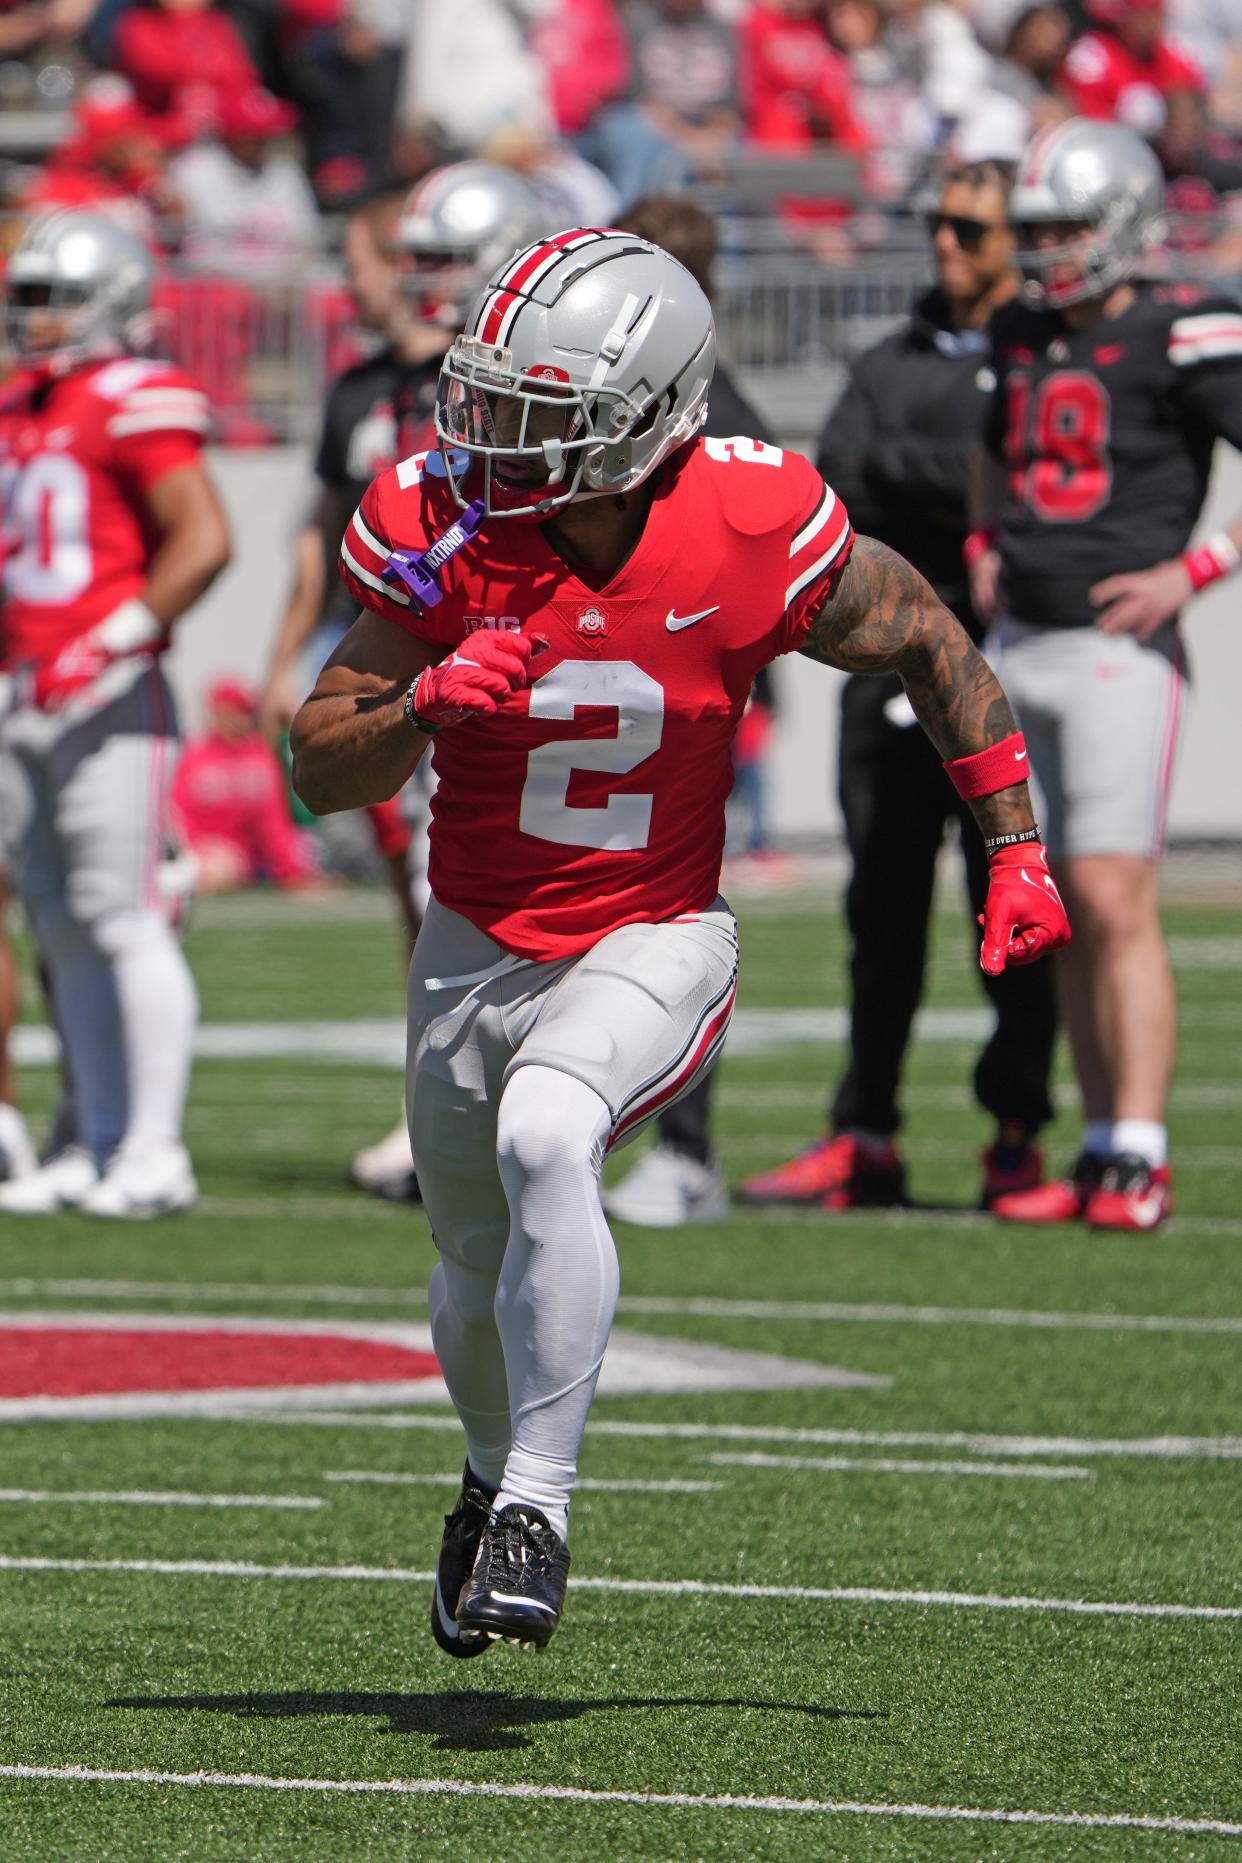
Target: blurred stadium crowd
[232,133]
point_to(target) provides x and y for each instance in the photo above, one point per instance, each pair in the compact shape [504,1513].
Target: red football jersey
[77,456]
[596,798]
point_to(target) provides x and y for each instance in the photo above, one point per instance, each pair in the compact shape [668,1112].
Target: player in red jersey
[111,528]
[581,676]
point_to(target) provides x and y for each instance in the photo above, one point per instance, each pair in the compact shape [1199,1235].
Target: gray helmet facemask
[585,362]
[95,274]
[1096,175]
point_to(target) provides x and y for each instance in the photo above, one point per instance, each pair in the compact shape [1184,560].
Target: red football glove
[1023,916]
[474,679]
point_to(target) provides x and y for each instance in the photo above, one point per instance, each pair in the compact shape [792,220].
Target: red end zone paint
[52,1361]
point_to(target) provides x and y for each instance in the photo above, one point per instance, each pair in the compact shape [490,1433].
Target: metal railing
[266,349]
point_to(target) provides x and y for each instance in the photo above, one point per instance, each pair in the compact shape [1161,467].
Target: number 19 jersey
[1107,433]
[595,798]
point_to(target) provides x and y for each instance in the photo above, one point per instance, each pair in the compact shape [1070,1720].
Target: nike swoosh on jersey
[675,622]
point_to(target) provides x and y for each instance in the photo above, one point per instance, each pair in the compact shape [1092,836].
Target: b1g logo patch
[499,624]
[593,622]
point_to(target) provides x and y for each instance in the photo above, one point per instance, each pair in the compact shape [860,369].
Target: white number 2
[624,822]
[753,452]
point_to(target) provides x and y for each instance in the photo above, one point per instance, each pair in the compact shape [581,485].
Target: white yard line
[699,1306]
[1153,1448]
[584,1795]
[381,1478]
[645,1587]
[886,1465]
[140,1497]
[894,1313]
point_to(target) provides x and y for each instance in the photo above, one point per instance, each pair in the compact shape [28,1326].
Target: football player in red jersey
[112,529]
[1111,393]
[581,675]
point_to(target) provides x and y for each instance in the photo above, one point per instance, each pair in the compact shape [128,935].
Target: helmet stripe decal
[526,270]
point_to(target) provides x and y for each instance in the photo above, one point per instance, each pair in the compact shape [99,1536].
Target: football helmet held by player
[455,228]
[1099,189]
[585,361]
[78,289]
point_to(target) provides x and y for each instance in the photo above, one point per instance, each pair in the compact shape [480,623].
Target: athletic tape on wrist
[1000,766]
[1215,557]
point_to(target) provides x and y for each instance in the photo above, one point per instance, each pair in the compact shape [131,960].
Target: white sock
[1097,1138]
[1145,1138]
[89,1022]
[559,1283]
[159,1010]
[463,1331]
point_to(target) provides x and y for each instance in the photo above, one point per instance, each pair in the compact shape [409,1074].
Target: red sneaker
[836,1174]
[1132,1195]
[1010,1166]
[1064,1200]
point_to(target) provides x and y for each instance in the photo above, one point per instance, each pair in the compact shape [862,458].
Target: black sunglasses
[969,234]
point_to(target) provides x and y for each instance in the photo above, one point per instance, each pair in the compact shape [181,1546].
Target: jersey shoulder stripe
[1207,336]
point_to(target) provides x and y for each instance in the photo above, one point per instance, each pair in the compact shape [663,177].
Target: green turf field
[1053,1420]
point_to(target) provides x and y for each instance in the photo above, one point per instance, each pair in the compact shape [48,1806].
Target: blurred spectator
[1211,32]
[231,802]
[796,86]
[888,104]
[112,163]
[1024,94]
[23,28]
[1128,67]
[940,54]
[182,57]
[469,70]
[574,191]
[683,104]
[247,202]
[582,48]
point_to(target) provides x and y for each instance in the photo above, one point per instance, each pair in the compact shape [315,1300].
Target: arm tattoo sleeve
[883,617]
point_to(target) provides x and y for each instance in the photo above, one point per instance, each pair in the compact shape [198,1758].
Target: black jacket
[898,445]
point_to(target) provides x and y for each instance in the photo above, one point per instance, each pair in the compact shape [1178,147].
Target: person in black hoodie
[897,450]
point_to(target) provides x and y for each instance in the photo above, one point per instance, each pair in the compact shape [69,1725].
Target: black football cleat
[517,1588]
[463,1529]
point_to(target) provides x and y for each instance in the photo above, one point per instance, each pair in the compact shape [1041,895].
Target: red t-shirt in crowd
[795,86]
[236,794]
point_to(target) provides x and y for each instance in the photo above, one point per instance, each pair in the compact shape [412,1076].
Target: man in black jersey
[1111,395]
[413,268]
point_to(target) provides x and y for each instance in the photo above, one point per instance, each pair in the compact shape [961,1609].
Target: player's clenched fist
[473,680]
[1023,916]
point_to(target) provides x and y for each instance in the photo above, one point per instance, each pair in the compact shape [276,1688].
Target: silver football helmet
[1089,174]
[457,226]
[584,362]
[95,278]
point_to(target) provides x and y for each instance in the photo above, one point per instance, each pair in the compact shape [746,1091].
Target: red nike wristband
[1000,766]
[1217,556]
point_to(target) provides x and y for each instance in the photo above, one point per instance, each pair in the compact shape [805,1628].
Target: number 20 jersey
[1107,434]
[78,456]
[595,799]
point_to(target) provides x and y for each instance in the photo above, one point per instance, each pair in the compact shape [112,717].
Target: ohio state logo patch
[593,622]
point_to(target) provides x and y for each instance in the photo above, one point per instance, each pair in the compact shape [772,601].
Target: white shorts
[84,797]
[1102,715]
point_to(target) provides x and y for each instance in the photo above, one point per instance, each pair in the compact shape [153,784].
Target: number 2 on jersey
[1058,445]
[624,822]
